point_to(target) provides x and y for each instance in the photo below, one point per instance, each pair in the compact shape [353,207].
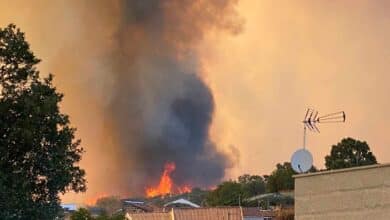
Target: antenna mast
[311,120]
[302,160]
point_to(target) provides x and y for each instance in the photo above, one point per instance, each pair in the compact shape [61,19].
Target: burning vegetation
[161,109]
[151,95]
[166,185]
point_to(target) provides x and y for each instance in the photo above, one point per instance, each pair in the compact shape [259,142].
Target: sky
[288,56]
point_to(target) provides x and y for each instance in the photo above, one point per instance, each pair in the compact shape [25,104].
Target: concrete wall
[355,193]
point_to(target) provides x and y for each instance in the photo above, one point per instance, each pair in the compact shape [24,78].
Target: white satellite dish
[301,161]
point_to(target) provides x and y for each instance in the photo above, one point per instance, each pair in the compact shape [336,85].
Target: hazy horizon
[287,57]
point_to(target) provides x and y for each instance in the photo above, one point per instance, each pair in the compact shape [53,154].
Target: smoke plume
[133,83]
[160,108]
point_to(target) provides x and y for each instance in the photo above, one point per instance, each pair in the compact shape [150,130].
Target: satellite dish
[301,161]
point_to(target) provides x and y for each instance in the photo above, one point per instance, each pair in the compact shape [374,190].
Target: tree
[281,178]
[38,150]
[110,205]
[81,214]
[226,194]
[349,153]
[197,196]
[252,185]
[236,192]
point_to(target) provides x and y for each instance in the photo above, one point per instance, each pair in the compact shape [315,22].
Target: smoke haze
[134,68]
[161,109]
[129,71]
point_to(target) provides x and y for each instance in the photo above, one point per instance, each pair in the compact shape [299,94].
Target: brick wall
[355,193]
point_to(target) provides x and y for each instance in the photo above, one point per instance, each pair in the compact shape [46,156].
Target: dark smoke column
[161,109]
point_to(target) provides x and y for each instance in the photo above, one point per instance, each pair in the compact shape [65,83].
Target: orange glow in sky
[290,55]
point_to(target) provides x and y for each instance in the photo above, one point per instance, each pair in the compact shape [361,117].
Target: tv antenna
[312,119]
[302,160]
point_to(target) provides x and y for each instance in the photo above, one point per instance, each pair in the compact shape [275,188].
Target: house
[181,203]
[133,206]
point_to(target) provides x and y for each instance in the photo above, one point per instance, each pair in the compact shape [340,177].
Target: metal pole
[304,137]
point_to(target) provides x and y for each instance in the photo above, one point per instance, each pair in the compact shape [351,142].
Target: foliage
[233,193]
[226,194]
[281,178]
[85,214]
[251,185]
[197,196]
[110,204]
[349,153]
[38,153]
[275,199]
[81,214]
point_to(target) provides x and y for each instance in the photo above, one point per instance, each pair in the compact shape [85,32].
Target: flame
[166,185]
[92,200]
[184,189]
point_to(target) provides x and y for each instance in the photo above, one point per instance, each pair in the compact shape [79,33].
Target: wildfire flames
[166,185]
[92,201]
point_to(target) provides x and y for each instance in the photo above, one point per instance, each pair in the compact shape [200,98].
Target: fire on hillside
[166,185]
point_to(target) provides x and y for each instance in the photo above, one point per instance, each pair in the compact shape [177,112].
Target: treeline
[347,153]
[250,190]
[40,155]
[240,191]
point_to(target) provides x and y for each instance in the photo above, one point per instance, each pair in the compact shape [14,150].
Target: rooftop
[342,170]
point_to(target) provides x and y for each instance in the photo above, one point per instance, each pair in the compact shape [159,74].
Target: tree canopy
[81,214]
[252,185]
[281,179]
[349,153]
[38,150]
[85,214]
[226,194]
[235,192]
[110,204]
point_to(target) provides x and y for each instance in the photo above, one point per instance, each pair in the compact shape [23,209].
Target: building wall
[355,193]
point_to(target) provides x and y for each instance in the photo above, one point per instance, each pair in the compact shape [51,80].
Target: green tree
[349,153]
[252,185]
[281,178]
[226,194]
[232,193]
[110,205]
[81,214]
[38,150]
[197,196]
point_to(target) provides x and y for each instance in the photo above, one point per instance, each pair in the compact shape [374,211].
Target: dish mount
[302,160]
